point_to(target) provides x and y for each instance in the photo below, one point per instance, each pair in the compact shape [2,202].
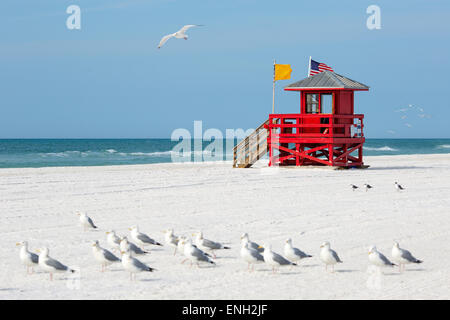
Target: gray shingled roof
[328,79]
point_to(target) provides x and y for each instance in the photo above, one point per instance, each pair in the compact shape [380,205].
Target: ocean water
[22,153]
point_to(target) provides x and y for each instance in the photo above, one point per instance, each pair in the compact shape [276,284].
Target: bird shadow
[398,168]
[219,258]
[9,289]
[308,265]
[345,271]
[148,280]
[417,269]
[288,273]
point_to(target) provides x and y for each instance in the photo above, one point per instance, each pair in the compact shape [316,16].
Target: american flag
[317,67]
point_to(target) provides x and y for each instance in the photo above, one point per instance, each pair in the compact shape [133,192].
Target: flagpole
[273,88]
[309,66]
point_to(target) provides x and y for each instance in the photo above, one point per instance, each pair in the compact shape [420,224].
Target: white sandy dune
[308,205]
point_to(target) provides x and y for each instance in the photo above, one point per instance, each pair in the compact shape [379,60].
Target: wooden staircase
[252,148]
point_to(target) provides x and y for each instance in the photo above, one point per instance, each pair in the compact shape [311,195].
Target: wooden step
[252,148]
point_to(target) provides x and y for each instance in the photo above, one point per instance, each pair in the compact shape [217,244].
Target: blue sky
[108,80]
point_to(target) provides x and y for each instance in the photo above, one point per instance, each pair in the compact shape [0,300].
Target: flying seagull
[180,34]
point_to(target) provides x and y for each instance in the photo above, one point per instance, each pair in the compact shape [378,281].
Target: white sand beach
[309,205]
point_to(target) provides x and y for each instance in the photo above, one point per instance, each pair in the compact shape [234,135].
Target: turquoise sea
[22,153]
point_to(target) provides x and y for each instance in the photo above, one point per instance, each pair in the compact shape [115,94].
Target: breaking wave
[385,148]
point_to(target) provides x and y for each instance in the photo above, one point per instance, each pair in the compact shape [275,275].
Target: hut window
[312,103]
[326,103]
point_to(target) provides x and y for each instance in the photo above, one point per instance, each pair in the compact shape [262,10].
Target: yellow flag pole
[273,88]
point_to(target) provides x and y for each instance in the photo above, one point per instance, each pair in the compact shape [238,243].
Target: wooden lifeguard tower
[326,132]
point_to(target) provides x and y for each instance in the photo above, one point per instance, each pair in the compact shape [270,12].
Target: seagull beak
[130,229]
[38,250]
[321,245]
[260,247]
[107,232]
[18,244]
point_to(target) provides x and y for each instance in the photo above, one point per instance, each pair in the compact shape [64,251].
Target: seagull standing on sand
[398,187]
[328,256]
[133,265]
[141,238]
[29,259]
[86,222]
[251,244]
[103,256]
[51,265]
[354,187]
[403,257]
[250,255]
[292,253]
[171,239]
[368,186]
[274,259]
[113,240]
[378,259]
[206,244]
[194,254]
[180,34]
[126,245]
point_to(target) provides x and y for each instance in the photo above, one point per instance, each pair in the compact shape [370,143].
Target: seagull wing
[188,26]
[281,260]
[145,238]
[300,253]
[199,255]
[138,264]
[255,254]
[34,257]
[110,256]
[335,256]
[56,264]
[134,248]
[164,39]
[89,220]
[211,244]
[385,260]
[405,254]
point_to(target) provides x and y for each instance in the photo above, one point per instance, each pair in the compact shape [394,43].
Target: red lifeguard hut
[326,131]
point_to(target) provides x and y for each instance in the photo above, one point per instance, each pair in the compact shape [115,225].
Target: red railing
[315,126]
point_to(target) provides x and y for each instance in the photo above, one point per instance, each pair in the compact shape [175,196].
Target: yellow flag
[282,72]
